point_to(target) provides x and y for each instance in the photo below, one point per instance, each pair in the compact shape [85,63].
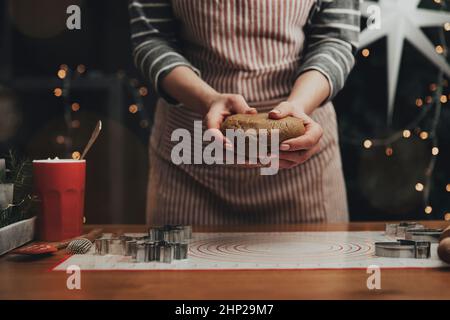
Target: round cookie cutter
[408,249]
[431,235]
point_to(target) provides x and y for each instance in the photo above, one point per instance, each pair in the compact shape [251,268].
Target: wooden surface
[31,278]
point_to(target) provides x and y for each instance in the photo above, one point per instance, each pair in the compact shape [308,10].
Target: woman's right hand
[220,107]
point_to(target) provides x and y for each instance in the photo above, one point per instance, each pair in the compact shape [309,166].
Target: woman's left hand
[297,150]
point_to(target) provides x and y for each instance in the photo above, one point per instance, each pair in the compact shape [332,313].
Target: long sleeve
[332,40]
[153,36]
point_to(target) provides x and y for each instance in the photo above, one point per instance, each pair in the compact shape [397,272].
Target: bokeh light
[62,73]
[76,155]
[75,107]
[406,133]
[367,144]
[57,92]
[60,139]
[389,151]
[133,108]
[419,187]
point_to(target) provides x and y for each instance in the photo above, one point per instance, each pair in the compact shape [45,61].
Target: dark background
[34,43]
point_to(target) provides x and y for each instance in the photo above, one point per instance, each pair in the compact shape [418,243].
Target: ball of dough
[289,127]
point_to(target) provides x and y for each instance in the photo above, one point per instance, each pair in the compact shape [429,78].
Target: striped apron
[250,47]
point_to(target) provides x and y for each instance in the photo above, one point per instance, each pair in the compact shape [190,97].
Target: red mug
[60,185]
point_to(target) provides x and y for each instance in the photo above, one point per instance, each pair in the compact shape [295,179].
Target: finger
[252,164]
[249,165]
[311,137]
[293,156]
[219,136]
[306,155]
[251,111]
[213,120]
[239,105]
[299,157]
[283,110]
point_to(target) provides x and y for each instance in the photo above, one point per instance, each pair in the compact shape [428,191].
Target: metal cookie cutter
[403,249]
[141,252]
[187,232]
[131,248]
[170,233]
[101,246]
[166,252]
[180,251]
[116,246]
[150,248]
[431,235]
[399,229]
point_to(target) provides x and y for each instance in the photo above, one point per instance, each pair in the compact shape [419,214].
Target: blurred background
[56,83]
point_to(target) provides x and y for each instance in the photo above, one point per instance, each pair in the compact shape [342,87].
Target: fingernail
[275,111]
[284,147]
[228,146]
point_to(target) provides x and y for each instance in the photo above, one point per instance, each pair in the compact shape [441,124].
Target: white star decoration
[400,20]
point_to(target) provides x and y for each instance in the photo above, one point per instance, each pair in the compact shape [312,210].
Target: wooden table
[31,279]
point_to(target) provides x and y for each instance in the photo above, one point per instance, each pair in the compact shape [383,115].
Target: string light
[57,92]
[76,124]
[81,68]
[62,73]
[419,102]
[431,103]
[419,187]
[60,139]
[435,151]
[406,134]
[423,135]
[367,144]
[389,151]
[133,108]
[143,91]
[75,107]
[76,155]
[64,67]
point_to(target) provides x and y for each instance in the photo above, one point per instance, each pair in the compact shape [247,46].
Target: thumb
[283,110]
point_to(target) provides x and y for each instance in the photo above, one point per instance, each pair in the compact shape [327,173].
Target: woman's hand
[220,107]
[297,150]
